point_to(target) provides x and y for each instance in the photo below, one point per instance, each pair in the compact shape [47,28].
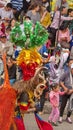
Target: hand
[56,105]
[67,90]
[64,39]
[7,19]
[66,51]
[70,91]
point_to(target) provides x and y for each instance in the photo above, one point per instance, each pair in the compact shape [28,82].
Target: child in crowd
[12,23]
[63,35]
[54,100]
[27,18]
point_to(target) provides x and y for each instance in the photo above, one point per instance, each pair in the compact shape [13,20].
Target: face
[70,62]
[3,39]
[64,11]
[13,23]
[56,89]
[9,63]
[27,19]
[6,23]
[14,11]
[37,8]
[9,9]
[65,31]
[71,14]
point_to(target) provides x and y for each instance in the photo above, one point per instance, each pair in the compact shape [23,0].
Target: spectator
[71,22]
[26,5]
[6,12]
[46,18]
[42,100]
[54,100]
[17,4]
[66,81]
[64,36]
[17,7]
[58,4]
[5,45]
[11,70]
[12,23]
[33,13]
[55,23]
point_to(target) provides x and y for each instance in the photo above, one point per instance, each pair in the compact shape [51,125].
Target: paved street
[31,124]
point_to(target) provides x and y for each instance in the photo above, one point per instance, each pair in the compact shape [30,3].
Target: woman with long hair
[33,12]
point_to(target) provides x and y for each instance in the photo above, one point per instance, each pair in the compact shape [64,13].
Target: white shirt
[6,14]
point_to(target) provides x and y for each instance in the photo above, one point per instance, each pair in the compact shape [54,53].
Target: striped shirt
[17,4]
[4,2]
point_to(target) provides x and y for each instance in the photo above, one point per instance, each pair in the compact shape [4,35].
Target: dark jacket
[12,71]
[65,78]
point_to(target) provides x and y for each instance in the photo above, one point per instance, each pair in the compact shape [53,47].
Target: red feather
[7,102]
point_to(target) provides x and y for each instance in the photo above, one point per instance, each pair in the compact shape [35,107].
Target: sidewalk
[31,124]
[47,108]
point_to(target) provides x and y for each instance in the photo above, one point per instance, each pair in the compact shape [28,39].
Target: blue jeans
[12,81]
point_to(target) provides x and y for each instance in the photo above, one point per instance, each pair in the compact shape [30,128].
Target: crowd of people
[57,52]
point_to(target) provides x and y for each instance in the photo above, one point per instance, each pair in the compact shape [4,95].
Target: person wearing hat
[5,45]
[66,81]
